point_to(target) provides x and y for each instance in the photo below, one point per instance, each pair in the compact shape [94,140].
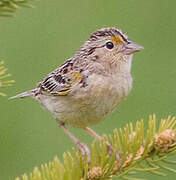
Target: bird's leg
[109,147]
[82,147]
[99,138]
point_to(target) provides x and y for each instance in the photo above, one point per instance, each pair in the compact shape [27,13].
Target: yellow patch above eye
[117,40]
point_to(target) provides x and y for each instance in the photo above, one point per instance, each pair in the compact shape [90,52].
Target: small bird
[90,85]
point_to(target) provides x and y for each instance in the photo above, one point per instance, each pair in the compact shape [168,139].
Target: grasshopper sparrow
[89,85]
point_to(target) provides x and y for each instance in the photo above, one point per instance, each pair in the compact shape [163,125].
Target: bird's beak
[131,48]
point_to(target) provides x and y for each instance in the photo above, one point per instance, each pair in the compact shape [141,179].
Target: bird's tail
[25,94]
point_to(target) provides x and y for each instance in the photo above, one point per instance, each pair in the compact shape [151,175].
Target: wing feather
[61,80]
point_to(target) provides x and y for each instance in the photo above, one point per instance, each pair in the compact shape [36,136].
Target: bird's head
[109,46]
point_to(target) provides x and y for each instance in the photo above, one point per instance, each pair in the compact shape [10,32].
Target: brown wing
[61,80]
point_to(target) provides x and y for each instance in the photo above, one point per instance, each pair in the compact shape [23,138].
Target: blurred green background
[37,40]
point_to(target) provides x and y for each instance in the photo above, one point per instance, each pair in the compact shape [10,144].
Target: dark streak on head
[105,32]
[90,51]
[123,38]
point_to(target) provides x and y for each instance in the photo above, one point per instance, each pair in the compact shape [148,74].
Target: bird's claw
[111,150]
[84,150]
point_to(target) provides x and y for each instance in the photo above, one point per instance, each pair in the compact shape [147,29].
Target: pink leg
[83,147]
[98,137]
[109,147]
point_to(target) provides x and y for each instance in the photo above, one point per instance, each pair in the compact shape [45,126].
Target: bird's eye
[109,45]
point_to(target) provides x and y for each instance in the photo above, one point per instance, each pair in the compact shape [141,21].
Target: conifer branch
[140,151]
[4,75]
[9,7]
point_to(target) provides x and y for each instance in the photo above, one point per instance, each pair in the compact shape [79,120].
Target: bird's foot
[84,150]
[111,150]
[82,147]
